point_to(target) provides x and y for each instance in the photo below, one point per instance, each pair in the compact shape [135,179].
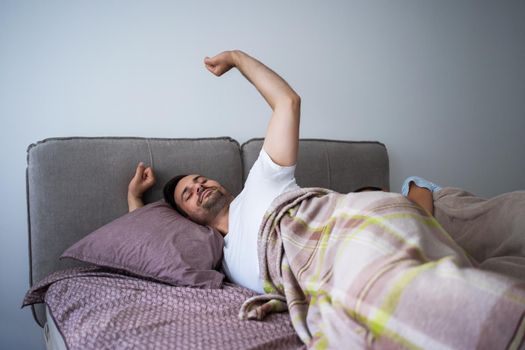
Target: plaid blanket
[373,270]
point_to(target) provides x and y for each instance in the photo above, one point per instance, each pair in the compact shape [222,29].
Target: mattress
[54,340]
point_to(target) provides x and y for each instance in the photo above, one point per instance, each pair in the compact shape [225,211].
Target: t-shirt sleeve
[265,168]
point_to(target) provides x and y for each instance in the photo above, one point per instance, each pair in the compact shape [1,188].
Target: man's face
[201,198]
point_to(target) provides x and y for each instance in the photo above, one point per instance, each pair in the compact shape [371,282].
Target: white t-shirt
[265,182]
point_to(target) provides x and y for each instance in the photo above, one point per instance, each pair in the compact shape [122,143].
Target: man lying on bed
[329,309]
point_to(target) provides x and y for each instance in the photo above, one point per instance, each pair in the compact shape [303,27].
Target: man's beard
[215,202]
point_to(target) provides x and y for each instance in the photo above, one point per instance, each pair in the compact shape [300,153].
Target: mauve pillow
[156,242]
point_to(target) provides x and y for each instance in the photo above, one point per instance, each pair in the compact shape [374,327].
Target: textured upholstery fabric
[156,242]
[97,309]
[78,184]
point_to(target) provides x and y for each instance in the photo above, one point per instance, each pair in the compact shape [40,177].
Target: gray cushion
[343,166]
[155,242]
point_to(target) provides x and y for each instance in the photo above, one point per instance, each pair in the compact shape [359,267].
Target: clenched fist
[220,63]
[143,180]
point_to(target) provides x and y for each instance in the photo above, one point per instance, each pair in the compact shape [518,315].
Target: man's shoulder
[265,168]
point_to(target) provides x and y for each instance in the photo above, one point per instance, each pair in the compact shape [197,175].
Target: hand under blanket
[374,270]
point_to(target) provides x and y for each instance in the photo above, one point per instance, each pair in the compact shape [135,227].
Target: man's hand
[220,63]
[143,180]
[421,196]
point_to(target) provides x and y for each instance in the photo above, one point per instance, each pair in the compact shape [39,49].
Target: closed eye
[202,182]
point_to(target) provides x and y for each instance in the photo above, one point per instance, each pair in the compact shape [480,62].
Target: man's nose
[199,190]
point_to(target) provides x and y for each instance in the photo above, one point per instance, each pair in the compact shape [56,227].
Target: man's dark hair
[169,194]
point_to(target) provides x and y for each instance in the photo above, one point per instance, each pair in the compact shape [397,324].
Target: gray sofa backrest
[75,185]
[343,166]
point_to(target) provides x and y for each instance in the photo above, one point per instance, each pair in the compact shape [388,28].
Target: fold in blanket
[373,270]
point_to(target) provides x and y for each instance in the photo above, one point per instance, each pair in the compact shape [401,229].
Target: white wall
[441,83]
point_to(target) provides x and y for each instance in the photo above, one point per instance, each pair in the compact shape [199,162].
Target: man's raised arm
[282,137]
